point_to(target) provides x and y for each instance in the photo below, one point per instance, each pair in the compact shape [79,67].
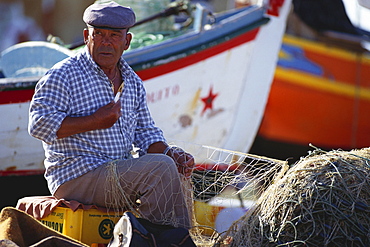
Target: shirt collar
[90,60]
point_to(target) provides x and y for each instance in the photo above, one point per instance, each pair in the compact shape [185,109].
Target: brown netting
[323,200]
[219,174]
[224,174]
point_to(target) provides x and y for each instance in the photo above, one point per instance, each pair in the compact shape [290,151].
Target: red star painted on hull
[208,101]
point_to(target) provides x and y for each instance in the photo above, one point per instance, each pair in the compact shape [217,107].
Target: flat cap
[109,15]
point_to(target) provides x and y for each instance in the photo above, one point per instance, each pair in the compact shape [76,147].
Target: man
[89,110]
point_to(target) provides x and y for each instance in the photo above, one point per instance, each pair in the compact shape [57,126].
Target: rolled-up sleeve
[48,108]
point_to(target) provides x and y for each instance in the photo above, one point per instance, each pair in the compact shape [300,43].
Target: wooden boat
[320,93]
[208,85]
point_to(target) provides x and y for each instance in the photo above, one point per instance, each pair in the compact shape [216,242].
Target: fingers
[186,171]
[107,115]
[113,107]
[184,161]
[117,107]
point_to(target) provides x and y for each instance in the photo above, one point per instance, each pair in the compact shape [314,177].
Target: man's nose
[106,39]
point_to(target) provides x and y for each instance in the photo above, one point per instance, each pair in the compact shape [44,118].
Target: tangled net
[219,169]
[244,177]
[323,200]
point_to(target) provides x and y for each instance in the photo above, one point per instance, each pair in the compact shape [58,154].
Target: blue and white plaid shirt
[78,87]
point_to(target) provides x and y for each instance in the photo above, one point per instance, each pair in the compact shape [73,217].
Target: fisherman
[89,110]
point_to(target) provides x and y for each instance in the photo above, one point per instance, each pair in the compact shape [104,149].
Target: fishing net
[219,174]
[223,175]
[323,200]
[151,188]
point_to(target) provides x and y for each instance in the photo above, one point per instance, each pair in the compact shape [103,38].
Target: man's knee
[161,158]
[163,161]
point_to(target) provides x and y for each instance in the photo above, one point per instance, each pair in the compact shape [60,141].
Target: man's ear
[128,40]
[86,35]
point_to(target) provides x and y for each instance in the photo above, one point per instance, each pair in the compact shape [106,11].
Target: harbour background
[24,20]
[69,28]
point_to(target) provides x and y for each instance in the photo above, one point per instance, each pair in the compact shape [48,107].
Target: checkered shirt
[76,87]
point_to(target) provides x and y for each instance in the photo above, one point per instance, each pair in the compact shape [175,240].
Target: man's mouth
[106,54]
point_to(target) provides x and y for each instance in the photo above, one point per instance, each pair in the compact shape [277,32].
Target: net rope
[219,174]
[323,200]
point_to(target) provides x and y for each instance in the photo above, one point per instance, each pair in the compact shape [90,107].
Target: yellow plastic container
[88,226]
[205,215]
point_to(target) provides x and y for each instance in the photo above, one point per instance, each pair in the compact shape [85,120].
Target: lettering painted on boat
[162,93]
[54,225]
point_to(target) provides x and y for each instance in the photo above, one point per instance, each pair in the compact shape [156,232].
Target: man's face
[106,46]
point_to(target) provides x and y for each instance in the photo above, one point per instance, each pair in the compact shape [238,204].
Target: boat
[320,95]
[208,84]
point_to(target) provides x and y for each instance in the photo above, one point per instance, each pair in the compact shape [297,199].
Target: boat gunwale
[177,45]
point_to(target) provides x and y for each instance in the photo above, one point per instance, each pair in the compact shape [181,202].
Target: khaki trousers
[151,184]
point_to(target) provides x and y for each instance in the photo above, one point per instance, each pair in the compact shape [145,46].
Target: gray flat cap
[109,15]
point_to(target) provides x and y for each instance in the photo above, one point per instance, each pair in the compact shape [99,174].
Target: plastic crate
[88,226]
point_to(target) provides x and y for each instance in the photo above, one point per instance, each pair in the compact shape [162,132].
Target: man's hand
[106,116]
[184,161]
[103,118]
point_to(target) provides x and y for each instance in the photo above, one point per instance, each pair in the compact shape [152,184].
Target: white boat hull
[19,151]
[217,100]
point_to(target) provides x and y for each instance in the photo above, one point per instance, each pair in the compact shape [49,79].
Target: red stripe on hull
[21,173]
[16,96]
[21,96]
[197,57]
